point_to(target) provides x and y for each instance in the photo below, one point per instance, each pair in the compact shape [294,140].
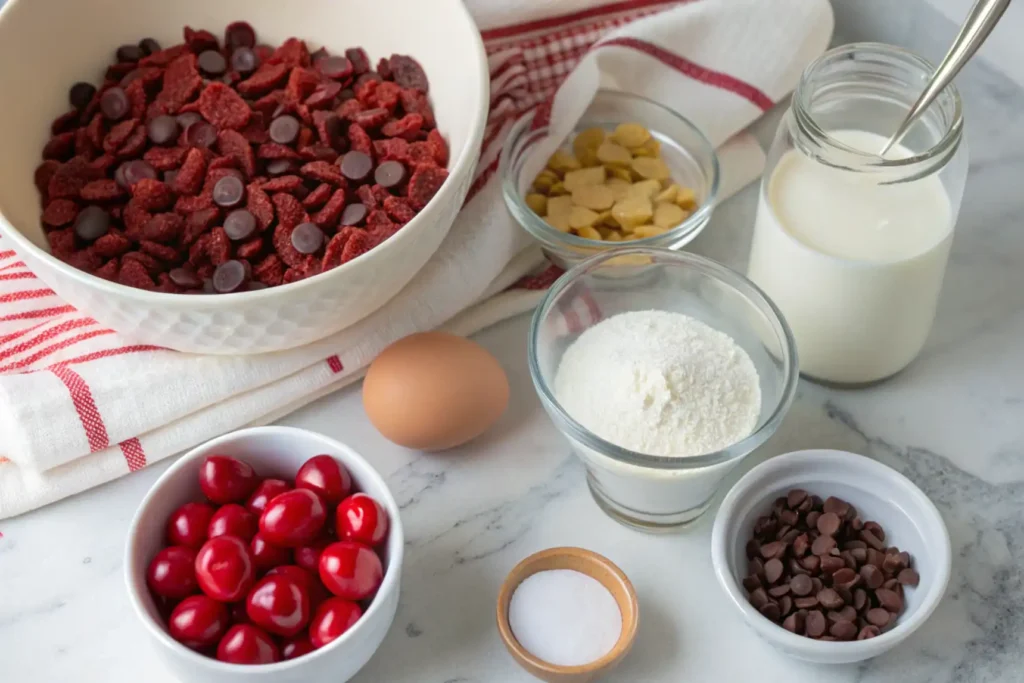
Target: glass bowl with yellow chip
[633,173]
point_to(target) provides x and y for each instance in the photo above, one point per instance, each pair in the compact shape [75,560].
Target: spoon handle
[979,23]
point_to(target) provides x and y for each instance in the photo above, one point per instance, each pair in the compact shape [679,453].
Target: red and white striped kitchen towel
[79,406]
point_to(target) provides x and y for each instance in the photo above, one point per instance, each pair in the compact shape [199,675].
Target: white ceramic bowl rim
[749,484]
[711,269]
[192,301]
[391,575]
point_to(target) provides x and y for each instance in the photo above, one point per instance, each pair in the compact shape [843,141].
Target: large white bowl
[911,522]
[82,36]
[273,451]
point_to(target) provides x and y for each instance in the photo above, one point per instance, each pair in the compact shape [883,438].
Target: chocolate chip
[149,46]
[828,524]
[794,623]
[872,576]
[823,545]
[785,604]
[876,529]
[801,585]
[877,616]
[752,547]
[280,167]
[908,577]
[847,613]
[843,630]
[836,506]
[163,130]
[871,539]
[183,277]
[92,223]
[815,624]
[356,166]
[131,172]
[795,497]
[200,134]
[81,94]
[284,130]
[391,174]
[869,631]
[787,517]
[336,67]
[354,214]
[806,602]
[228,277]
[889,599]
[244,61]
[114,104]
[187,119]
[307,238]
[796,568]
[811,563]
[779,591]
[831,564]
[255,285]
[829,599]
[228,192]
[751,583]
[845,577]
[771,611]
[756,566]
[801,544]
[812,519]
[239,225]
[758,598]
[129,53]
[212,63]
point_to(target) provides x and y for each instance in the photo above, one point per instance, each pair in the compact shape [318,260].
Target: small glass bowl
[652,492]
[688,153]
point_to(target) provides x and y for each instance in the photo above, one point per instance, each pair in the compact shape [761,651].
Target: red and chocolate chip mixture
[268,569]
[223,166]
[821,571]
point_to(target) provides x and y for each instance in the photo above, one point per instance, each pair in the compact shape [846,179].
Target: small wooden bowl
[585,562]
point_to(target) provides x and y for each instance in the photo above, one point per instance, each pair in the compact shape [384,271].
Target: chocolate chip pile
[223,166]
[823,572]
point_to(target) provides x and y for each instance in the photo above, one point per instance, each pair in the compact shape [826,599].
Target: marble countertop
[951,422]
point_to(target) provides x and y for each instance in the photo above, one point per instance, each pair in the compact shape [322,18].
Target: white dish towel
[80,406]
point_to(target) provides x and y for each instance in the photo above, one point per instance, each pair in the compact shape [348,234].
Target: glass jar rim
[941,151]
[751,292]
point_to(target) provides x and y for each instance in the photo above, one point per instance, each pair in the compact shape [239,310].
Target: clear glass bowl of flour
[666,491]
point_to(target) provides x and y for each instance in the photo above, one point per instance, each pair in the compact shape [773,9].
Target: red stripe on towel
[133,454]
[85,406]
[334,363]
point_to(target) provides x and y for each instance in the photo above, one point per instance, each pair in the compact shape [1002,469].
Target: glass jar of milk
[852,247]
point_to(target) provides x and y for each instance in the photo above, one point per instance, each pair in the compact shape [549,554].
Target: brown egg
[432,391]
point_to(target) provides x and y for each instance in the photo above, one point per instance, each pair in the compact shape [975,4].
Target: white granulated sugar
[660,383]
[564,617]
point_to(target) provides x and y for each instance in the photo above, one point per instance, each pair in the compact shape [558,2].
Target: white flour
[660,383]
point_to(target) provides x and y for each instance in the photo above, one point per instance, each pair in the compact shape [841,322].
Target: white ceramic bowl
[440,34]
[273,451]
[879,493]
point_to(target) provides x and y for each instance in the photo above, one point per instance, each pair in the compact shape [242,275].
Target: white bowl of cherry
[270,554]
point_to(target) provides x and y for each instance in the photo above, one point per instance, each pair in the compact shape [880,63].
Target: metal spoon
[979,23]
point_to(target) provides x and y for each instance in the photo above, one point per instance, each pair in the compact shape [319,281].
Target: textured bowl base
[646,522]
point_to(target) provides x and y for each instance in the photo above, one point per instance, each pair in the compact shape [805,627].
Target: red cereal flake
[164,57]
[151,265]
[113,244]
[218,249]
[327,125]
[283,243]
[152,195]
[85,259]
[118,135]
[255,132]
[102,191]
[415,102]
[136,92]
[198,222]
[197,253]
[366,197]
[60,147]
[379,218]
[181,83]
[44,172]
[398,209]
[348,109]
[391,149]
[384,69]
[109,270]
[306,136]
[368,76]
[134,218]
[62,242]
[149,76]
[215,174]
[269,271]
[293,52]
[165,158]
[289,211]
[156,108]
[334,249]
[200,41]
[95,131]
[359,139]
[407,127]
[323,96]
[284,183]
[69,179]
[327,217]
[103,164]
[387,95]
[438,147]
[233,144]
[366,93]
[165,284]
[222,162]
[371,118]
[301,84]
[222,106]
[190,107]
[421,154]
[318,197]
[251,249]
[381,231]
[319,153]
[134,274]
[323,172]
[159,251]
[66,122]
[260,205]
[134,145]
[266,78]
[424,184]
[273,150]
[190,177]
[163,227]
[83,143]
[268,103]
[408,73]
[191,204]
[60,212]
[360,62]
[357,245]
